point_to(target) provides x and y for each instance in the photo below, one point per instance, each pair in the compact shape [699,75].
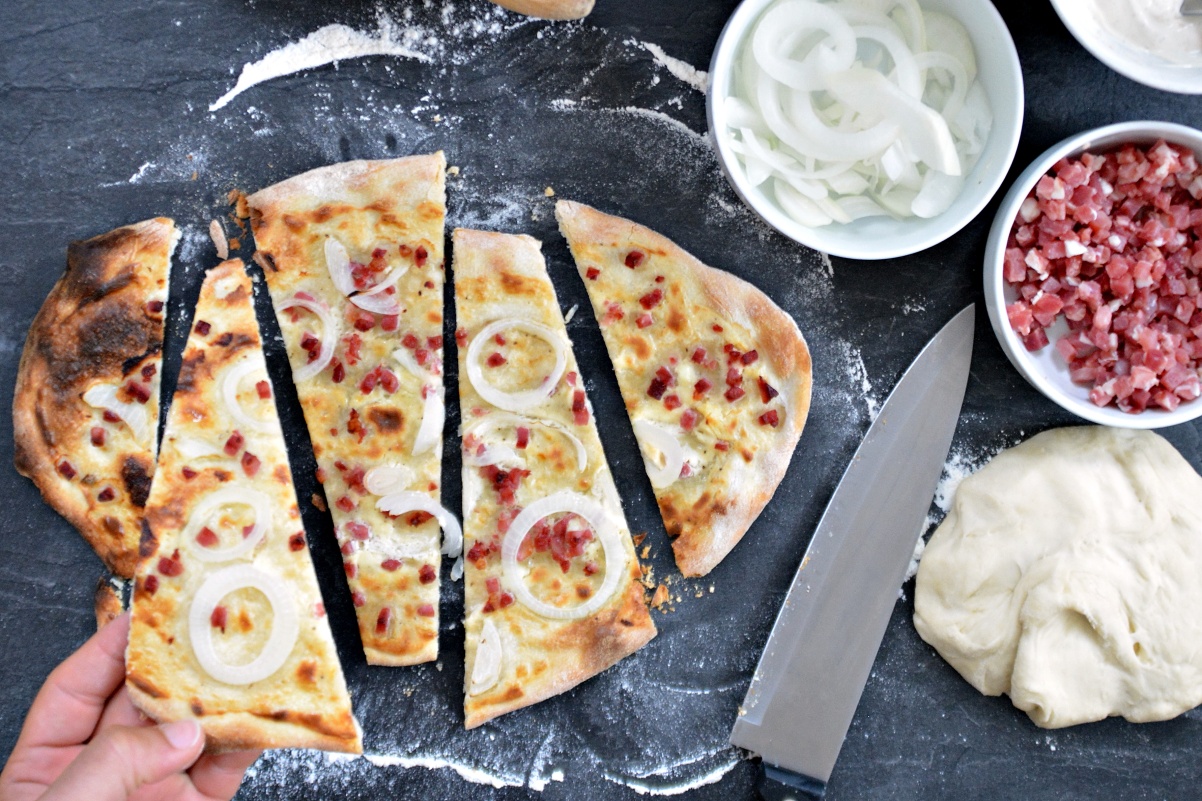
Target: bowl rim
[995,286]
[1111,51]
[1010,119]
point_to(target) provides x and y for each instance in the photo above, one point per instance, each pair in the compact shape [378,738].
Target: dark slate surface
[104,121]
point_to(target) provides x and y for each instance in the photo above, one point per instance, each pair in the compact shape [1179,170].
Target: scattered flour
[698,79]
[471,774]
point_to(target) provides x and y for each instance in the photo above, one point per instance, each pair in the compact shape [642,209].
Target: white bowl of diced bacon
[1093,274]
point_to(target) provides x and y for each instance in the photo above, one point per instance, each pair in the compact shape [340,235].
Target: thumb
[120,759]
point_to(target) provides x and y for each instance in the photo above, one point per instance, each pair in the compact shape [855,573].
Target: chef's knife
[826,636]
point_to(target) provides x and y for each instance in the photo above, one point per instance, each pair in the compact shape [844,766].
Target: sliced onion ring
[526,399]
[388,280]
[329,336]
[486,424]
[229,393]
[377,304]
[595,514]
[487,667]
[434,416]
[398,503]
[285,625]
[209,504]
[658,437]
[387,478]
[104,396]
[338,262]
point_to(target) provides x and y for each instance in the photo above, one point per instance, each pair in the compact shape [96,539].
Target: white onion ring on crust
[338,262]
[481,427]
[663,441]
[229,393]
[434,417]
[285,625]
[376,304]
[210,503]
[526,399]
[386,478]
[329,336]
[489,655]
[398,503]
[595,514]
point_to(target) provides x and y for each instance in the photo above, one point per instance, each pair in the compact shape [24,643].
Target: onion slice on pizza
[228,624]
[716,378]
[552,584]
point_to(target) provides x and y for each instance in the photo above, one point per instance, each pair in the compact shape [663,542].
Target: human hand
[83,740]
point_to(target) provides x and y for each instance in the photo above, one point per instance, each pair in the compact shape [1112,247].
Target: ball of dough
[1068,575]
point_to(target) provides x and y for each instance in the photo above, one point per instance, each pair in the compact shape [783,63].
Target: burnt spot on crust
[519,284]
[292,223]
[147,543]
[306,672]
[197,708]
[187,372]
[134,362]
[265,260]
[224,340]
[136,477]
[386,418]
[44,427]
[328,725]
[112,525]
[144,686]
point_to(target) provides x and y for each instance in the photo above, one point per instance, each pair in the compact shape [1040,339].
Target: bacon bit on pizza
[250,464]
[479,553]
[495,360]
[699,355]
[110,417]
[148,372]
[410,341]
[264,389]
[420,255]
[734,393]
[319,609]
[645,320]
[733,354]
[661,597]
[427,610]
[613,312]
[672,402]
[658,387]
[297,541]
[390,322]
[351,570]
[151,584]
[362,320]
[571,377]
[188,473]
[346,503]
[686,470]
[355,426]
[66,470]
[358,598]
[347,548]
[354,480]
[689,419]
[634,258]
[154,306]
[426,574]
[505,482]
[767,391]
[717,328]
[579,408]
[218,618]
[207,538]
[203,328]
[702,386]
[591,568]
[750,357]
[106,495]
[523,437]
[171,565]
[353,342]
[734,377]
[405,250]
[311,345]
[137,391]
[461,337]
[497,599]
[498,338]
[592,273]
[562,543]
[338,374]
[98,436]
[390,565]
[665,375]
[651,299]
[234,443]
[418,518]
[358,530]
[383,619]
[769,418]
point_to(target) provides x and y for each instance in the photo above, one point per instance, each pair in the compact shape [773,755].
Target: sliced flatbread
[353,255]
[229,627]
[550,598]
[716,378]
[86,403]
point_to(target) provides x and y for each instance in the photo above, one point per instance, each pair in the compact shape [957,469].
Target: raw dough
[1067,575]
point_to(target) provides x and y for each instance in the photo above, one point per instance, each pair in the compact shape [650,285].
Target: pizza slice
[716,378]
[353,255]
[552,584]
[228,624]
[86,402]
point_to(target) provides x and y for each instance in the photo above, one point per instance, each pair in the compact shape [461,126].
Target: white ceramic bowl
[1045,369]
[1125,59]
[884,237]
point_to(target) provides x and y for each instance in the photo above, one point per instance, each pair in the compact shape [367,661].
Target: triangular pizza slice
[86,403]
[228,623]
[353,255]
[716,378]
[552,584]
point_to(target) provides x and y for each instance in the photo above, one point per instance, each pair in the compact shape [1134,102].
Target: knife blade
[818,657]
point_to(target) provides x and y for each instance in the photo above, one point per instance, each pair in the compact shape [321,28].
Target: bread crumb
[217,234]
[437,118]
[646,552]
[452,170]
[549,192]
[318,502]
[237,199]
[711,589]
[660,598]
[236,243]
[638,539]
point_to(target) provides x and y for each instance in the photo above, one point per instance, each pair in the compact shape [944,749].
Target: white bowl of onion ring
[1045,368]
[864,232]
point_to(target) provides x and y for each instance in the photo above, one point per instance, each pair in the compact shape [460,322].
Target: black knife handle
[778,784]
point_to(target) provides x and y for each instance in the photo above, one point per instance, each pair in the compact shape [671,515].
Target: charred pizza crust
[101,325]
[366,407]
[223,506]
[500,278]
[671,323]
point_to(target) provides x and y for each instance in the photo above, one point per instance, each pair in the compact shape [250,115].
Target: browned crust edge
[106,602]
[780,342]
[32,456]
[549,9]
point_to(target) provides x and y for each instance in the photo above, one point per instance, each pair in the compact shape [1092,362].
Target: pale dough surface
[1067,576]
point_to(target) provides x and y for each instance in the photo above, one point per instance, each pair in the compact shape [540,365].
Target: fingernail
[181,733]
